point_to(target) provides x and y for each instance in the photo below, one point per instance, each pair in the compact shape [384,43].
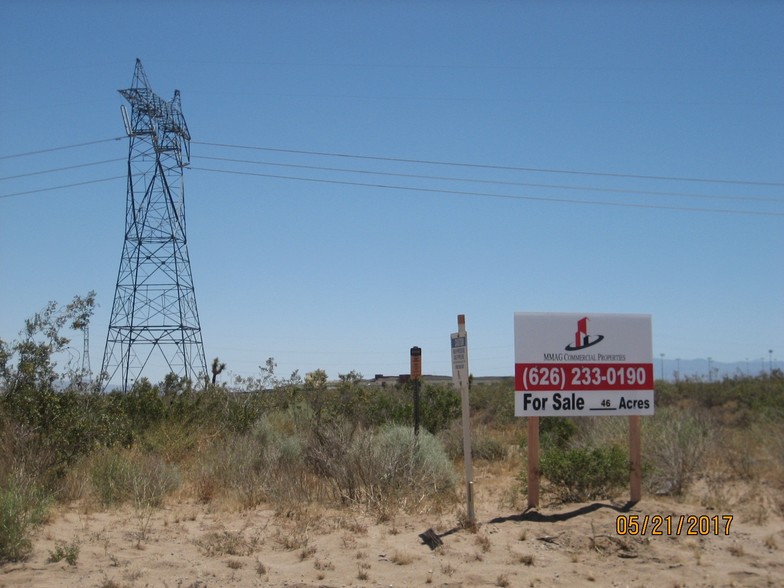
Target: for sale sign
[583,364]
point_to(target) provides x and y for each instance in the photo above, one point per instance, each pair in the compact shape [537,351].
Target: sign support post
[533,461]
[460,375]
[635,458]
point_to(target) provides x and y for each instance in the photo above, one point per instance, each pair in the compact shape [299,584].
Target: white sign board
[583,364]
[459,360]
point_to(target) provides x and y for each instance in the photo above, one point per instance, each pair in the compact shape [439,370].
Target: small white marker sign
[459,359]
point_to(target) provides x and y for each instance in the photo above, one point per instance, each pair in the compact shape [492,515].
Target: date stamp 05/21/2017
[673,525]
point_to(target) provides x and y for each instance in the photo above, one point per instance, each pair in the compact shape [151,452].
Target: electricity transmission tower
[154,318]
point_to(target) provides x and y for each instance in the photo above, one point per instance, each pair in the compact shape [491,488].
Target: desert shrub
[21,453]
[745,398]
[380,468]
[64,551]
[277,471]
[774,435]
[152,480]
[439,407]
[23,506]
[397,467]
[583,473]
[388,405]
[370,406]
[740,451]
[452,440]
[330,455]
[216,544]
[266,463]
[59,427]
[488,448]
[214,408]
[486,442]
[120,475]
[174,442]
[556,432]
[676,442]
[142,405]
[600,431]
[109,474]
[494,402]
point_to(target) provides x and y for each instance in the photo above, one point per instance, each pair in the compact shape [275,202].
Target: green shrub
[439,406]
[64,551]
[556,432]
[581,474]
[493,401]
[23,506]
[62,426]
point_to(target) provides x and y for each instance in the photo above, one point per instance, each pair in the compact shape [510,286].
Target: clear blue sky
[342,276]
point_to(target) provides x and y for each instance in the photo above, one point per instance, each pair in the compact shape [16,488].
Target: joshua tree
[217,368]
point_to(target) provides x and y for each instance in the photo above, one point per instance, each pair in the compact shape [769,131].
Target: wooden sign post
[533,461]
[460,380]
[635,458]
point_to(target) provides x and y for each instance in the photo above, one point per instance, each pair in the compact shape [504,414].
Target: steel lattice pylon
[154,315]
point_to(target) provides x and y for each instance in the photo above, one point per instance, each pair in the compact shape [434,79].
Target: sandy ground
[190,545]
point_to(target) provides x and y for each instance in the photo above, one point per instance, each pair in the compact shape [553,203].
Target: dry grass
[221,543]
[483,542]
[401,558]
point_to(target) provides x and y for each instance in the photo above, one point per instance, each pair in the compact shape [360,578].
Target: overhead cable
[494,166]
[493,195]
[50,149]
[59,169]
[493,182]
[61,187]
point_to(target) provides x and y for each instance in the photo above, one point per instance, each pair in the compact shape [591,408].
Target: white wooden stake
[460,374]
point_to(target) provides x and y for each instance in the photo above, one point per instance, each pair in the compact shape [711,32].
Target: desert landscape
[292,481]
[193,545]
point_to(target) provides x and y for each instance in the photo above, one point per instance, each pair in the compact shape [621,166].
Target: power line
[50,149]
[427,177]
[59,169]
[61,187]
[492,182]
[493,195]
[494,166]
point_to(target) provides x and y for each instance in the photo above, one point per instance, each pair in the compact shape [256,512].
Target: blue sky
[349,273]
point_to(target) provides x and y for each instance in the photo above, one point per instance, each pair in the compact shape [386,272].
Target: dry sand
[190,545]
